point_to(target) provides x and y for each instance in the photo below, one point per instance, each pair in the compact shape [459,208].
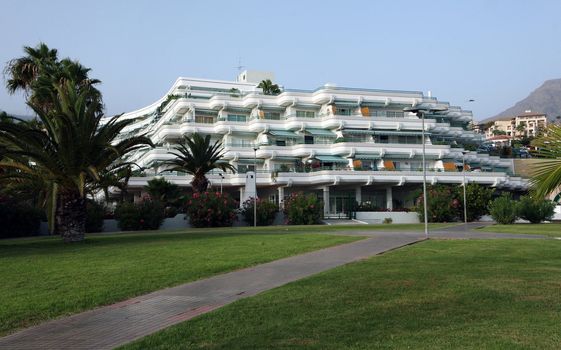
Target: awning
[367,156]
[285,159]
[397,156]
[427,156]
[284,133]
[350,104]
[399,133]
[321,132]
[331,159]
[251,161]
[358,131]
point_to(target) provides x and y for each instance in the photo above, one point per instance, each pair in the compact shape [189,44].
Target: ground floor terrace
[339,190]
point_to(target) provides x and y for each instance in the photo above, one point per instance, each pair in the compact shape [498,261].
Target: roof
[531,114]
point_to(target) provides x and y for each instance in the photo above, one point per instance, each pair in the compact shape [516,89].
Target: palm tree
[34,73]
[547,172]
[23,71]
[269,88]
[68,153]
[520,128]
[196,156]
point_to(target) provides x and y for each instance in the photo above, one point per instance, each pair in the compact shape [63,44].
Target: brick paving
[113,325]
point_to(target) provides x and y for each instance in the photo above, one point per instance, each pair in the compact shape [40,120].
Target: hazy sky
[495,52]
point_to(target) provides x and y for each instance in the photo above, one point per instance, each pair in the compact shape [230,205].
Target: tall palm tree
[195,155]
[68,153]
[35,72]
[547,172]
[23,71]
[269,88]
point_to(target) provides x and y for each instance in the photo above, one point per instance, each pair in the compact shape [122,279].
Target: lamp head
[426,108]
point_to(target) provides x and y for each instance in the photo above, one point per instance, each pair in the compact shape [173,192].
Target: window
[204,119]
[236,118]
[308,140]
[389,114]
[242,168]
[305,114]
[272,115]
[280,142]
[344,111]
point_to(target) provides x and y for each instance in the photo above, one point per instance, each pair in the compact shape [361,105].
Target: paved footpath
[110,326]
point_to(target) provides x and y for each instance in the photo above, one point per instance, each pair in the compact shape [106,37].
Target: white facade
[344,144]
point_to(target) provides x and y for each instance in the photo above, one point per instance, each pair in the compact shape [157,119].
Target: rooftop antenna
[239,67]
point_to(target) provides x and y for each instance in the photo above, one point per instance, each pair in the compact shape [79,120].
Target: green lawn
[41,278]
[551,230]
[499,294]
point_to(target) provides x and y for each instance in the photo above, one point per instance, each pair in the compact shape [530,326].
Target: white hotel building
[344,144]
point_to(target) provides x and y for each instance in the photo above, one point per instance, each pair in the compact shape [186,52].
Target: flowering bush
[303,209]
[266,212]
[444,204]
[145,215]
[211,209]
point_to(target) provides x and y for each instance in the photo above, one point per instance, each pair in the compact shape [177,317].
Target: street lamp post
[421,110]
[221,179]
[255,148]
[464,185]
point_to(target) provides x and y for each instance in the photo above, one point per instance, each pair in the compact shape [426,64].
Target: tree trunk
[71,217]
[199,183]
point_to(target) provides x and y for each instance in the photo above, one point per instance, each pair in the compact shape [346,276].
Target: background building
[527,124]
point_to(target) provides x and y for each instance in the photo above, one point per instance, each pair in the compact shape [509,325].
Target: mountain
[545,99]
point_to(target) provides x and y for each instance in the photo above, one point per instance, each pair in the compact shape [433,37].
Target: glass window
[204,119]
[272,115]
[305,114]
[237,118]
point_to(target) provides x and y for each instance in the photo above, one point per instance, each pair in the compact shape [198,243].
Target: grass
[42,278]
[499,294]
[550,230]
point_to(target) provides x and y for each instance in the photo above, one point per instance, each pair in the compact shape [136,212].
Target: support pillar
[389,198]
[326,200]
[241,196]
[358,195]
[281,197]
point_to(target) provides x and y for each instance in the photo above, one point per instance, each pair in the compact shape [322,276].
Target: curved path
[113,325]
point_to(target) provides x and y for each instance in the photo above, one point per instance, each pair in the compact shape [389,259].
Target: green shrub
[94,219]
[266,212]
[503,210]
[19,219]
[145,215]
[302,209]
[478,199]
[535,211]
[388,220]
[446,203]
[211,209]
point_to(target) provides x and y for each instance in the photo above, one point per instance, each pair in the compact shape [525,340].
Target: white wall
[377,217]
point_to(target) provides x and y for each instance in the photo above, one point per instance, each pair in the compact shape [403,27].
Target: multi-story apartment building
[345,144]
[524,125]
